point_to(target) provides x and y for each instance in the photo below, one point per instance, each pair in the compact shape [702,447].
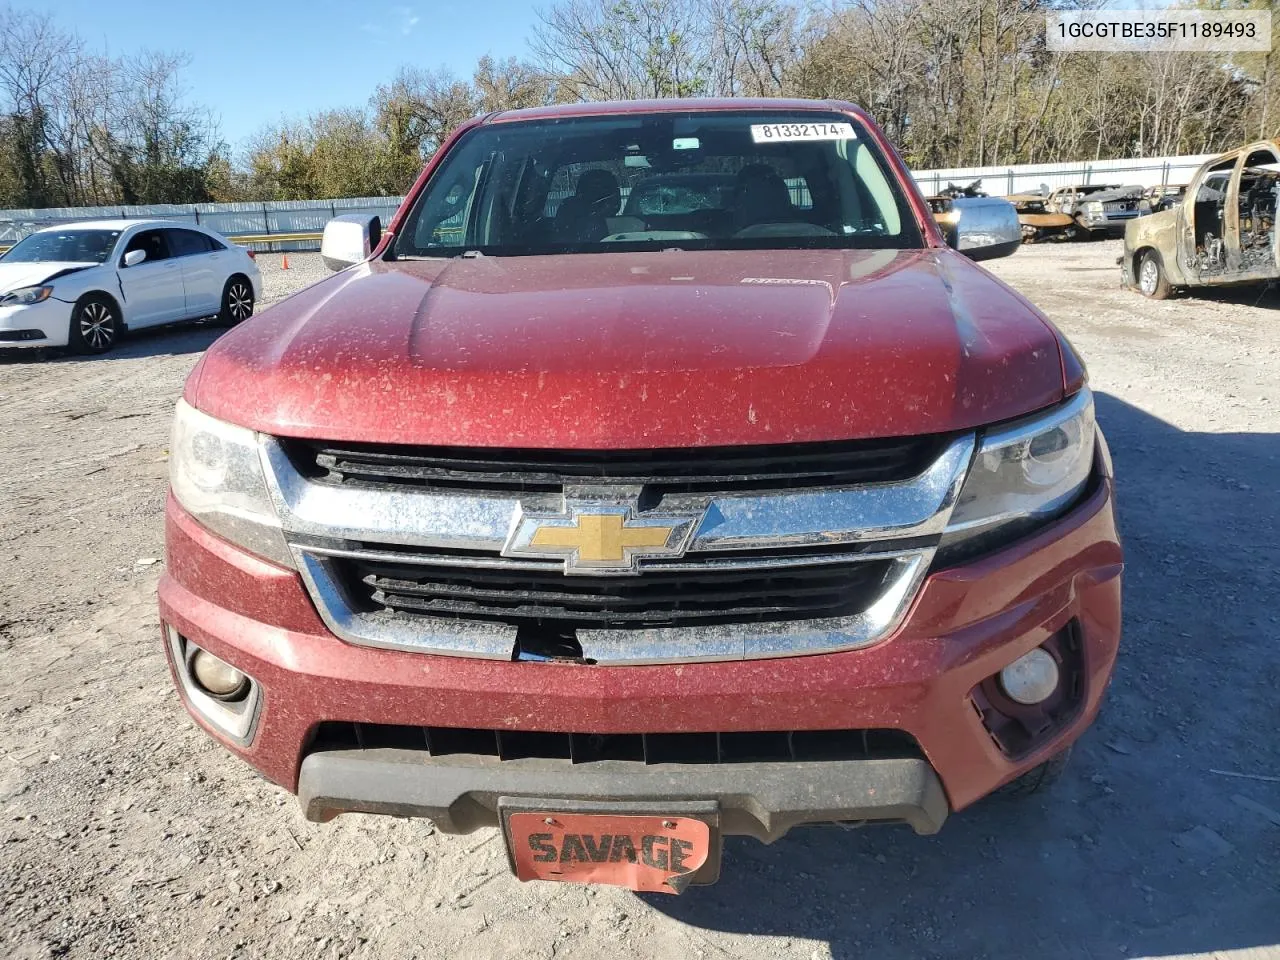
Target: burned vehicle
[1105,212]
[1166,196]
[1068,199]
[1038,222]
[1223,234]
[942,207]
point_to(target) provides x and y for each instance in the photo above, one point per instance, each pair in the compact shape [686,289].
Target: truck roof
[671,105]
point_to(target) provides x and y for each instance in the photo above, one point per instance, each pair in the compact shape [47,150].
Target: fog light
[215,677]
[1032,678]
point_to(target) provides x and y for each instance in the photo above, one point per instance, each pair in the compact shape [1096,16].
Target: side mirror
[134,257]
[350,239]
[983,228]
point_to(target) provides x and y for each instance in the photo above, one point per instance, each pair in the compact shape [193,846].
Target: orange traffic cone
[285,263]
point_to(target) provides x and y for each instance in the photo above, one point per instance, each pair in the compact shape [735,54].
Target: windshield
[64,246]
[698,180]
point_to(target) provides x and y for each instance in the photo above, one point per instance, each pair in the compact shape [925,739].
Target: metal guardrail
[248,239]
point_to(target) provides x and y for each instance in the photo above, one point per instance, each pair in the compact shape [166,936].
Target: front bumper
[761,800]
[1112,227]
[44,324]
[965,625]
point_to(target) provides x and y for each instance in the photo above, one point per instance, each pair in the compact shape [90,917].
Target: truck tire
[1038,778]
[1152,281]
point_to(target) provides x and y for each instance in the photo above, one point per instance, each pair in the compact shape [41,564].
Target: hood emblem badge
[600,538]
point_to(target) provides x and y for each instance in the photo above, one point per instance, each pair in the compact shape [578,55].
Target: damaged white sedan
[82,285]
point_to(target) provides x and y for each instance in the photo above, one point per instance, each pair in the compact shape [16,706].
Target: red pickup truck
[659,473]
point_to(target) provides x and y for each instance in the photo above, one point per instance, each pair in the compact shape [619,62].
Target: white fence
[1001,181]
[310,216]
[228,219]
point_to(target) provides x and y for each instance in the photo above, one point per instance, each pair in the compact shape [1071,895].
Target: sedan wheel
[95,326]
[237,302]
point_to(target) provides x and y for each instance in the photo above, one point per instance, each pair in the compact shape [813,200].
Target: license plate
[645,853]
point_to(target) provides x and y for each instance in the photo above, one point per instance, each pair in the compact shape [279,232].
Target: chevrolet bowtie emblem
[598,538]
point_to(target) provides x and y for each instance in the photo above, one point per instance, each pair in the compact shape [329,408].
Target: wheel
[1037,778]
[237,301]
[1151,279]
[95,325]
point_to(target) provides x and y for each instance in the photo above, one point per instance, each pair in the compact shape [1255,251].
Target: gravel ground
[126,832]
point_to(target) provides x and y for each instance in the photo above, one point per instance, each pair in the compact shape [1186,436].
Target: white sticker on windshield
[781,132]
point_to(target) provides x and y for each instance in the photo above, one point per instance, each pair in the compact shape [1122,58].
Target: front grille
[649,748]
[654,599]
[700,469]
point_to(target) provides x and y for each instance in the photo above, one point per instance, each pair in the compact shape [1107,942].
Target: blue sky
[254,62]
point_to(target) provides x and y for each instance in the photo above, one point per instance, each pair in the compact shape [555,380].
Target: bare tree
[753,45]
[625,49]
[35,59]
[512,84]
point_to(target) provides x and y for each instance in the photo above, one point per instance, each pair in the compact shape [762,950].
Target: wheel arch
[1140,254]
[100,293]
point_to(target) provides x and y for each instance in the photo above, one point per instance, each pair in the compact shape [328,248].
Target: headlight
[1027,472]
[1091,209]
[25,297]
[216,474]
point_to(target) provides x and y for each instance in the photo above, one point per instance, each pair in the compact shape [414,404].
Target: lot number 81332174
[781,132]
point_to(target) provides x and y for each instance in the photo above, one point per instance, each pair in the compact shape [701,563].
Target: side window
[443,220]
[152,242]
[186,243]
[1213,188]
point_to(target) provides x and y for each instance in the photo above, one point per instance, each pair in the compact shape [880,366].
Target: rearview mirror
[134,257]
[983,228]
[349,239]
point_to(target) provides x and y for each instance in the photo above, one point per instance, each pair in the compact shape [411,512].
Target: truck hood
[15,276]
[1119,193]
[638,350]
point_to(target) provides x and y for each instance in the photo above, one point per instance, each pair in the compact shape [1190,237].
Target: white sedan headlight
[216,474]
[1029,470]
[26,296]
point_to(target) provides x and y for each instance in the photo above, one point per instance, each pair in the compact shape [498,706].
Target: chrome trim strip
[686,644]
[759,641]
[555,566]
[455,638]
[911,508]
[383,516]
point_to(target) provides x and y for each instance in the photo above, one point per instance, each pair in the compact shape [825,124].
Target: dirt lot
[126,832]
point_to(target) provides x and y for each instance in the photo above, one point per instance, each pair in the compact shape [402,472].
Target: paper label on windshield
[782,132]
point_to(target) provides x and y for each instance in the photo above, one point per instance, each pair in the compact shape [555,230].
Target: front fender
[1156,231]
